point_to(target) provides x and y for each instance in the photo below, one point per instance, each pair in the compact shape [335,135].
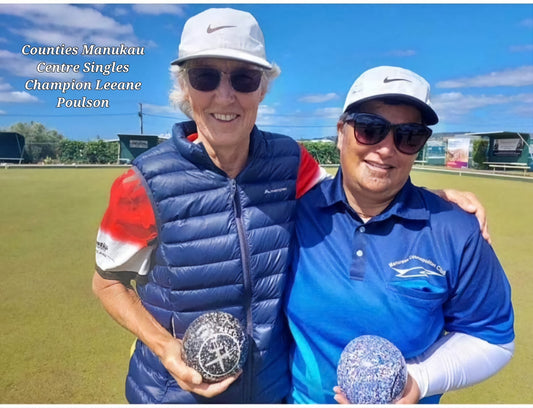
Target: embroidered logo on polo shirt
[415,266]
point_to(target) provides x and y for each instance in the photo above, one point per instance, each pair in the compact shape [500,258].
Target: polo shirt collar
[408,203]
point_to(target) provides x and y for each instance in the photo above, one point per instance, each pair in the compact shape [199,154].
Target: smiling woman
[213,180]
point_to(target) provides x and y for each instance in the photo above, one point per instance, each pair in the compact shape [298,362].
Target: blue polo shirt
[409,274]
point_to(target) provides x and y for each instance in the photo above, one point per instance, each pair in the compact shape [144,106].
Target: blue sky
[478,59]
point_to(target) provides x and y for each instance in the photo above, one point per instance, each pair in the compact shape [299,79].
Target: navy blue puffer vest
[223,245]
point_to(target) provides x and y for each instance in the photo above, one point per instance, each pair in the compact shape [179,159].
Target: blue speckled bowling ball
[215,345]
[371,370]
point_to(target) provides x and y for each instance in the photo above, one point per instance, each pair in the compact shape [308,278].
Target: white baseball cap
[392,82]
[223,33]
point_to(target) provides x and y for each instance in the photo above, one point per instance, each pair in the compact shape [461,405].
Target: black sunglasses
[207,79]
[370,129]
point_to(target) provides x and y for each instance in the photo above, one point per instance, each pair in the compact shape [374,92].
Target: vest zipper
[247,280]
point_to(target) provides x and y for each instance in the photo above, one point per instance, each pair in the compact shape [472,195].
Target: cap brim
[429,116]
[224,53]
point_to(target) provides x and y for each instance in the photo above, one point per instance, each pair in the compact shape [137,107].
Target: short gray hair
[178,74]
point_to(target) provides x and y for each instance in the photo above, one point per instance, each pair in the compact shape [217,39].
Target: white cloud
[318,98]
[121,11]
[459,103]
[524,110]
[524,98]
[9,96]
[329,113]
[19,65]
[266,110]
[528,22]
[159,109]
[67,16]
[266,115]
[455,105]
[521,48]
[157,9]
[522,76]
[523,105]
[68,24]
[49,37]
[4,86]
[17,97]
[164,111]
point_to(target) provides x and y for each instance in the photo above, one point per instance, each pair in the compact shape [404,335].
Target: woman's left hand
[339,395]
[411,393]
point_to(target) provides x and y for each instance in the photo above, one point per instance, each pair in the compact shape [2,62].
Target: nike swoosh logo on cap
[213,29]
[387,80]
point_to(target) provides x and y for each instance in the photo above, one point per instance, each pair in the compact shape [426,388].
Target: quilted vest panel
[223,245]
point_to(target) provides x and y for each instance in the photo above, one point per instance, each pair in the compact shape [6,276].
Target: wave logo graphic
[415,267]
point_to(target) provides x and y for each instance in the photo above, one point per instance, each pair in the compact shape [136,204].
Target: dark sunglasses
[370,129]
[207,79]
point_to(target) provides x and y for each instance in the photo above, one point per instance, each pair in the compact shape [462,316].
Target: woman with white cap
[203,222]
[390,259]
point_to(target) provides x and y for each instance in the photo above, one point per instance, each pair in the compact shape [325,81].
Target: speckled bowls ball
[215,345]
[371,370]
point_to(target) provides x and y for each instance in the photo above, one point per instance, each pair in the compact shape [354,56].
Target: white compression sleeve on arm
[455,361]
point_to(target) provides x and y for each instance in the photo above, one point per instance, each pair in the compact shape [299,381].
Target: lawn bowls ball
[215,345]
[372,370]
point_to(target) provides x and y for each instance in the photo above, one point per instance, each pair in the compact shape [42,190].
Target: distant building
[456,149]
[508,147]
[131,146]
[11,147]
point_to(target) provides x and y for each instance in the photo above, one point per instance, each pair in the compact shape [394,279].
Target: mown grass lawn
[57,345]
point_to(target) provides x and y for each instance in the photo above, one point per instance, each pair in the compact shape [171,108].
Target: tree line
[47,146]
[323,152]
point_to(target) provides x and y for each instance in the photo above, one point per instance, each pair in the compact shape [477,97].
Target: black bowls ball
[215,345]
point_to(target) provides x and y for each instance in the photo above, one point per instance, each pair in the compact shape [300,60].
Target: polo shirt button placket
[359,252]
[361,230]
[357,269]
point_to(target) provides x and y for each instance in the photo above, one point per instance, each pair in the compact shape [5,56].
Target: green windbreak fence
[11,147]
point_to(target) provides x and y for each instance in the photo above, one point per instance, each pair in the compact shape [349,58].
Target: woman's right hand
[124,305]
[188,378]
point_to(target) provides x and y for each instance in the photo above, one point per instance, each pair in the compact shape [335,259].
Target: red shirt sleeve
[309,174]
[129,218]
[128,231]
